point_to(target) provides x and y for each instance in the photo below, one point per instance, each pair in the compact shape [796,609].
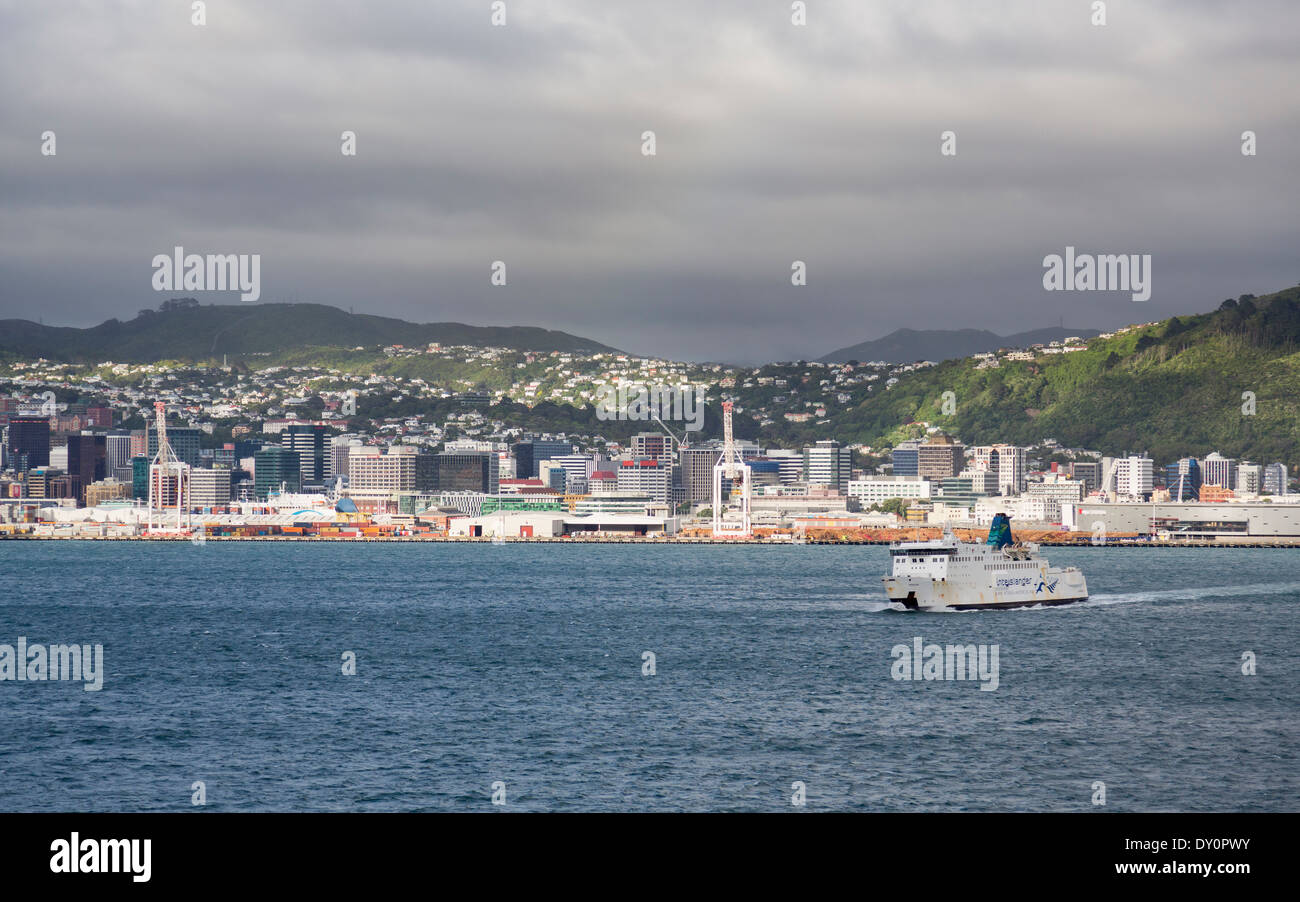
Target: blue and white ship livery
[946,574]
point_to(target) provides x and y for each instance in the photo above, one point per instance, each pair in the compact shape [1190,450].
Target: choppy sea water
[524,664]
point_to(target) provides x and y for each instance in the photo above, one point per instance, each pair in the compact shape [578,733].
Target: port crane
[169,483]
[732,467]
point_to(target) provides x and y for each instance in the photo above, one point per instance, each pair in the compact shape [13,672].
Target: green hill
[1172,388]
[182,329]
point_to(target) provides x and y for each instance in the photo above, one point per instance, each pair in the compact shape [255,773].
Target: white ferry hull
[922,594]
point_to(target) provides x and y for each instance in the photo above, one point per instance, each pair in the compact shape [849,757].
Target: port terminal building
[1192,521]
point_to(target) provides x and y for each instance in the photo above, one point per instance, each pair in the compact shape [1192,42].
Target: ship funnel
[1000,531]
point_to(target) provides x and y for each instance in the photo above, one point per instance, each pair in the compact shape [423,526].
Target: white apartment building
[1134,476]
[1066,491]
[1250,479]
[877,489]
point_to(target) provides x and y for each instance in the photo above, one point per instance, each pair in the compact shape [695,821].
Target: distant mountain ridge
[911,345]
[185,330]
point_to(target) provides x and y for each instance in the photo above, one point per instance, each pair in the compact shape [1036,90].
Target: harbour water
[525,665]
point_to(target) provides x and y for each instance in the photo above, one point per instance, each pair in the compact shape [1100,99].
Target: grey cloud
[775,143]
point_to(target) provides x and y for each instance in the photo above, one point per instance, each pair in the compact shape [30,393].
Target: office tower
[1219,470]
[472,472]
[275,468]
[1009,463]
[697,472]
[577,469]
[87,459]
[940,458]
[209,488]
[528,454]
[184,441]
[1183,480]
[1087,472]
[1275,477]
[29,441]
[398,468]
[140,477]
[828,464]
[654,445]
[117,451]
[647,477]
[553,475]
[905,458]
[310,443]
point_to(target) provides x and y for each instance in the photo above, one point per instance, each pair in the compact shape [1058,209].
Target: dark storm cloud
[776,144]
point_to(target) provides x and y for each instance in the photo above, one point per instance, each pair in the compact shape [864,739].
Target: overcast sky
[775,143]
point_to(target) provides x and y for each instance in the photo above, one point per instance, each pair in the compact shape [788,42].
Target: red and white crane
[169,483]
[731,466]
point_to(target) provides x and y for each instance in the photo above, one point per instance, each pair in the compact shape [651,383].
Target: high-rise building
[654,445]
[1275,477]
[184,441]
[528,454]
[552,475]
[50,482]
[107,490]
[964,489]
[310,441]
[789,462]
[86,460]
[472,472]
[878,489]
[940,458]
[1065,491]
[577,469]
[140,477]
[905,458]
[117,451]
[1219,470]
[29,441]
[273,466]
[1250,479]
[828,464]
[697,471]
[1008,462]
[340,448]
[602,482]
[398,468]
[209,488]
[647,477]
[1088,472]
[1183,479]
[1134,477]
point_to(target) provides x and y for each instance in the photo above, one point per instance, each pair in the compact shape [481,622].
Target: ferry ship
[946,574]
